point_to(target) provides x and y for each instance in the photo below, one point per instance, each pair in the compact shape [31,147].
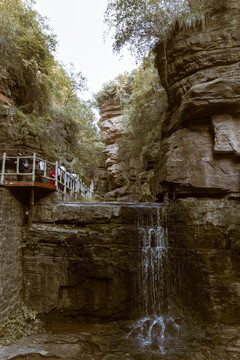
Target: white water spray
[152,283]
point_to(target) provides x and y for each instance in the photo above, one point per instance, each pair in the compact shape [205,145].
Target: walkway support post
[34,167]
[91,189]
[56,174]
[3,167]
[17,165]
[31,208]
[65,181]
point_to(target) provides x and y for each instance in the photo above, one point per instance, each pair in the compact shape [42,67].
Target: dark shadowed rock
[81,260]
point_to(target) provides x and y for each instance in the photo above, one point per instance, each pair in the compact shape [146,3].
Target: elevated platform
[19,174]
[30,184]
[31,188]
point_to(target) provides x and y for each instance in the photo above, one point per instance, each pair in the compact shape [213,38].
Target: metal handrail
[64,180]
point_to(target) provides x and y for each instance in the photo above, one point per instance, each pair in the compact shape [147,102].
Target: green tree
[118,89]
[26,46]
[145,111]
[46,94]
[141,23]
[143,101]
[65,84]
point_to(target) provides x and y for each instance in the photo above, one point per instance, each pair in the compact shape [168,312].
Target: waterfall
[153,282]
[153,264]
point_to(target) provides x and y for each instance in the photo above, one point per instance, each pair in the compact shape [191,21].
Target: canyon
[79,262]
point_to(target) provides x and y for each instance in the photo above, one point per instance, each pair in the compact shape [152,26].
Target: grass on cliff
[21,323]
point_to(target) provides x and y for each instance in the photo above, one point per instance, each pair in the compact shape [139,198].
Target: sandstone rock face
[199,158]
[189,165]
[122,170]
[11,215]
[206,235]
[7,112]
[81,261]
[201,74]
[11,139]
[226,134]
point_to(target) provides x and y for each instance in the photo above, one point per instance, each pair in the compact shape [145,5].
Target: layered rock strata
[122,169]
[11,137]
[81,261]
[11,216]
[204,236]
[199,157]
[201,74]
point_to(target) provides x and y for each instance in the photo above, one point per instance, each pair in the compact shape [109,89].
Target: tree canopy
[141,23]
[145,111]
[46,93]
[26,46]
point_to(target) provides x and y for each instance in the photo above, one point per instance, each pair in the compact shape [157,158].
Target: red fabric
[53,176]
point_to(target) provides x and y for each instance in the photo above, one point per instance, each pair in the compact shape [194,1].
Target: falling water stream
[152,283]
[161,327]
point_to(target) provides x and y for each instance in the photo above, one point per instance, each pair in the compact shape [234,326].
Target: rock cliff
[7,111]
[200,70]
[17,133]
[80,260]
[122,170]
[199,158]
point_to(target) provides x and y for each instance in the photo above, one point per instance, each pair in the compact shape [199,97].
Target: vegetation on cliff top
[141,24]
[45,93]
[145,112]
[144,102]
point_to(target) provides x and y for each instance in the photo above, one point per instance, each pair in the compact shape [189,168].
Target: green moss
[28,241]
[205,251]
[67,226]
[228,277]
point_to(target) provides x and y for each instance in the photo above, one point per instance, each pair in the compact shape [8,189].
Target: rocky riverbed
[116,341]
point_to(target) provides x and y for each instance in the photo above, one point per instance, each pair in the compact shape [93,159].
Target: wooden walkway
[30,184]
[39,174]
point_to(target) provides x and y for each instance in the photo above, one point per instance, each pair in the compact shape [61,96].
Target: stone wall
[81,259]
[11,216]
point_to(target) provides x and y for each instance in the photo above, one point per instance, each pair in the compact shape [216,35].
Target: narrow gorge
[151,270]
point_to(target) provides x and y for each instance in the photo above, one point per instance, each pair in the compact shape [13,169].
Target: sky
[79,27]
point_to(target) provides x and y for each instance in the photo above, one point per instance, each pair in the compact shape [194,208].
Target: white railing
[35,169]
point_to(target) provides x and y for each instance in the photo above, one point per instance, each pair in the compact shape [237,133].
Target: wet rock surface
[112,342]
[81,260]
[11,213]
